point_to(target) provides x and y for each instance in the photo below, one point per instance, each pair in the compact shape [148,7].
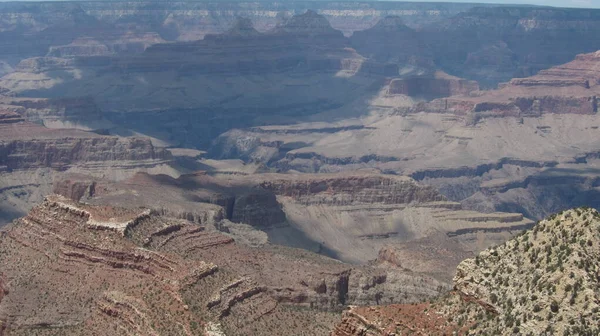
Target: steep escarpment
[32,157]
[146,265]
[25,146]
[345,190]
[571,88]
[352,217]
[543,281]
[493,45]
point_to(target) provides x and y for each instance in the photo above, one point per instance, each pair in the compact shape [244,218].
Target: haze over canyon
[299,168]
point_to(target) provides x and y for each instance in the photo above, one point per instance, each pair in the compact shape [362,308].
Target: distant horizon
[553,3]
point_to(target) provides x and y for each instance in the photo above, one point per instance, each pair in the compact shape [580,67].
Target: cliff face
[543,281]
[209,278]
[33,156]
[62,153]
[497,44]
[571,88]
[27,146]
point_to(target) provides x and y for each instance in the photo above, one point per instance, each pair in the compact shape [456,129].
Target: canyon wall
[351,217]
[210,278]
[32,157]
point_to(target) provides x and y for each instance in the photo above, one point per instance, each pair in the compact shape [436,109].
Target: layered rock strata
[32,157]
[350,217]
[571,88]
[543,281]
[152,265]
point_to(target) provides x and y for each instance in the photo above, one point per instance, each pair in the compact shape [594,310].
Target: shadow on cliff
[187,94]
[8,214]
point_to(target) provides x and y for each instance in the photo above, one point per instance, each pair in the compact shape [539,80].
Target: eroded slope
[544,281]
[85,269]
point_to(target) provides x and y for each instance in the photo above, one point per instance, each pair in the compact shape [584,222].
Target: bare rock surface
[541,282]
[350,217]
[33,157]
[135,273]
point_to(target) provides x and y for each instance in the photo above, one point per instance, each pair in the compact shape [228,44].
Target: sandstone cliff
[32,157]
[353,217]
[158,275]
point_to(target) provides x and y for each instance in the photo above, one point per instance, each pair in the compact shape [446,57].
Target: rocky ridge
[571,88]
[32,157]
[543,282]
[350,217]
[132,266]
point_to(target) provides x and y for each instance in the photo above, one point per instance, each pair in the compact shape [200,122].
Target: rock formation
[137,271]
[33,156]
[390,40]
[493,45]
[566,89]
[541,282]
[350,217]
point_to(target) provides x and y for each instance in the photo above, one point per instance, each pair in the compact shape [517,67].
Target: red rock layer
[25,145]
[571,88]
[96,268]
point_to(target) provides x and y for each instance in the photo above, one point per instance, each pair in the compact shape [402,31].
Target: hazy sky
[557,3]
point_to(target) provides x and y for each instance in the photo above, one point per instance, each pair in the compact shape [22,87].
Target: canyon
[33,157]
[495,293]
[117,269]
[469,146]
[313,167]
[356,217]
